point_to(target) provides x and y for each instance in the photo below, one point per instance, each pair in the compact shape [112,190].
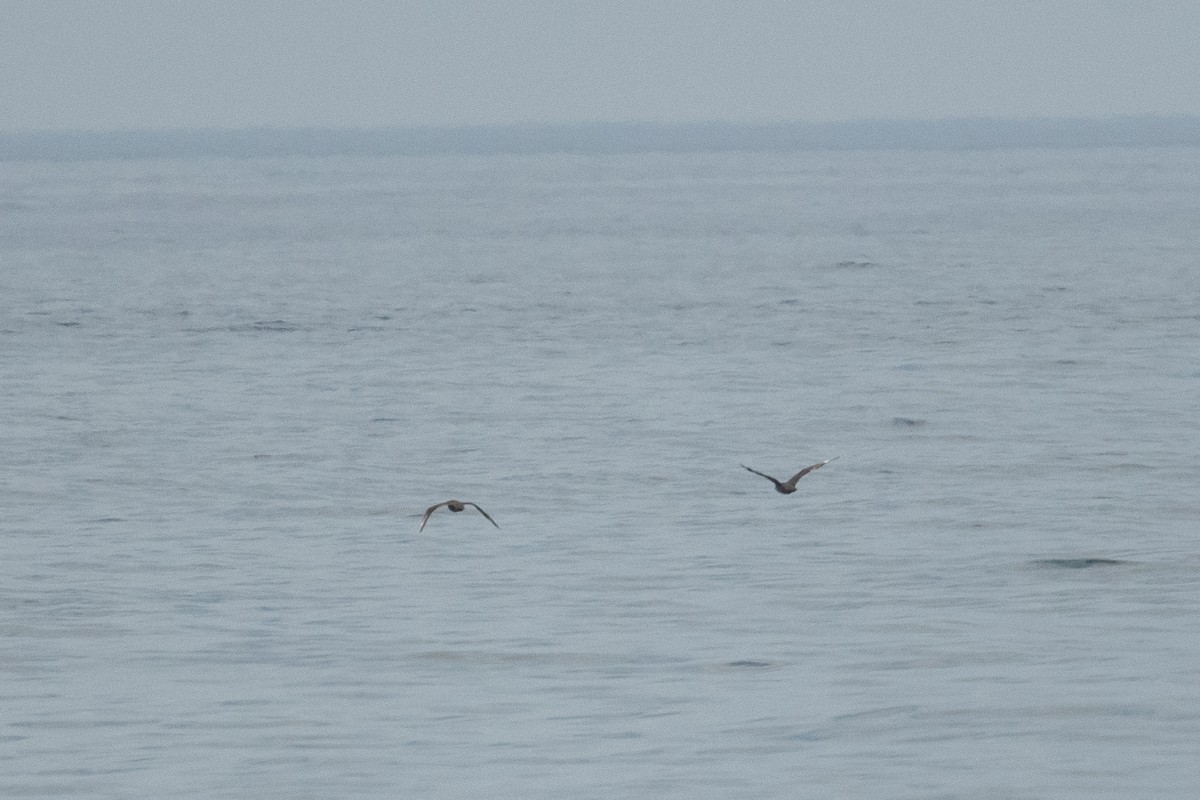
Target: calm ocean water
[229,389]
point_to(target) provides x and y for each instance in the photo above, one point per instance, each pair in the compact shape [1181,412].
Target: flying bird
[456,506]
[790,486]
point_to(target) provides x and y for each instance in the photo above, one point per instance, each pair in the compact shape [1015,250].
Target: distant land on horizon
[601,138]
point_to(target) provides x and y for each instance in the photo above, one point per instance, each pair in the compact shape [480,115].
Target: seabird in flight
[790,485]
[454,505]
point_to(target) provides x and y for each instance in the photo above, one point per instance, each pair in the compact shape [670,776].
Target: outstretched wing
[481,511]
[428,512]
[807,470]
[762,474]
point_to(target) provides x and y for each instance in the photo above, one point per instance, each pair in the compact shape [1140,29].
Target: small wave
[1080,563]
[259,326]
[273,325]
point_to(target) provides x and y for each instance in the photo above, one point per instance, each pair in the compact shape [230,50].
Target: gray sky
[132,64]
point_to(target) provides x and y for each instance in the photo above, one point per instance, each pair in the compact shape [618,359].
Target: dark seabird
[790,486]
[454,505]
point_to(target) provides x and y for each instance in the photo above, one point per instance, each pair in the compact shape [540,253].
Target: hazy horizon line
[605,138]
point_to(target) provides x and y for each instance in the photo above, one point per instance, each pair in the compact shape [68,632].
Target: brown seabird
[790,486]
[454,505]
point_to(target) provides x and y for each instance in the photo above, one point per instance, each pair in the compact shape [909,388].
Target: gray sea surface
[230,388]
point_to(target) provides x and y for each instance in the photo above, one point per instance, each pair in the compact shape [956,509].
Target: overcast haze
[152,64]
